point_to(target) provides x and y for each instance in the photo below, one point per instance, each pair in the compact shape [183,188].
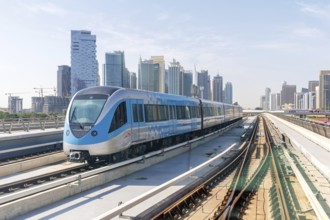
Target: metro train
[115,123]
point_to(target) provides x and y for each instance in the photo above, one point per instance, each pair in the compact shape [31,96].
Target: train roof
[109,90]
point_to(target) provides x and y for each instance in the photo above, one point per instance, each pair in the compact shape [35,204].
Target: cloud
[272,46]
[308,32]
[318,11]
[163,17]
[44,7]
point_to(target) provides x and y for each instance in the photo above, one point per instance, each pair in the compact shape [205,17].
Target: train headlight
[94,133]
[67,132]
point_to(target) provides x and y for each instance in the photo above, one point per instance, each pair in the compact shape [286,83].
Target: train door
[137,126]
[172,118]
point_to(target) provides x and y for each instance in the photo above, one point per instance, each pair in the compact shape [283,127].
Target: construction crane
[40,90]
[9,94]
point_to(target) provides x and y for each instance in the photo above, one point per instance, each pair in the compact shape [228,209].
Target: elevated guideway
[19,143]
[314,146]
[94,202]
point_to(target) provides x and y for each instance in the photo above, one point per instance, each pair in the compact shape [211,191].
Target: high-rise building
[149,76]
[312,84]
[275,101]
[174,75]
[55,104]
[324,89]
[217,88]
[187,83]
[15,104]
[317,97]
[266,106]
[287,94]
[114,70]
[312,100]
[299,100]
[161,65]
[37,104]
[228,93]
[203,83]
[262,101]
[133,80]
[304,90]
[84,66]
[166,80]
[63,81]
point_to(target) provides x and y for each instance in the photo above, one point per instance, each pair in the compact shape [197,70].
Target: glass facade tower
[84,66]
[114,70]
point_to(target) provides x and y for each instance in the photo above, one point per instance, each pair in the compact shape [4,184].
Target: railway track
[26,157]
[19,189]
[40,179]
[228,191]
[192,199]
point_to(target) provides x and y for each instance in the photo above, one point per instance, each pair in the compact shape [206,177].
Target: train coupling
[78,156]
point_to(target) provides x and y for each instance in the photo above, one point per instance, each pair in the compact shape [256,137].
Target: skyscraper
[166,80]
[203,84]
[324,89]
[312,84]
[317,97]
[275,101]
[229,93]
[133,80]
[161,65]
[174,75]
[187,83]
[217,88]
[64,81]
[262,101]
[149,76]
[114,70]
[266,106]
[287,94]
[84,66]
[299,100]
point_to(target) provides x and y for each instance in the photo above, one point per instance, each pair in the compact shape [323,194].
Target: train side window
[187,112]
[198,109]
[182,112]
[179,112]
[192,111]
[148,113]
[119,117]
[172,111]
[151,113]
[137,113]
[140,112]
[163,113]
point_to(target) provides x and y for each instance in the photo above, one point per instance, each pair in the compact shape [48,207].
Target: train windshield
[86,109]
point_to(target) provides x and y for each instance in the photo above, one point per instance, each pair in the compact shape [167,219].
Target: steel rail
[284,212]
[120,209]
[24,158]
[258,174]
[30,147]
[227,204]
[195,189]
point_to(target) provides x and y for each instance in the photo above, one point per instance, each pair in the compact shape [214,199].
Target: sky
[252,44]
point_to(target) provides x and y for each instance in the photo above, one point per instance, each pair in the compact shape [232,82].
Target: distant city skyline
[252,44]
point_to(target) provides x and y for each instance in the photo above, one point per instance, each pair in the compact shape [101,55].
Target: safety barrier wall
[318,128]
[27,124]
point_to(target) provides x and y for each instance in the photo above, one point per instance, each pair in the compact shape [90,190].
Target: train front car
[87,124]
